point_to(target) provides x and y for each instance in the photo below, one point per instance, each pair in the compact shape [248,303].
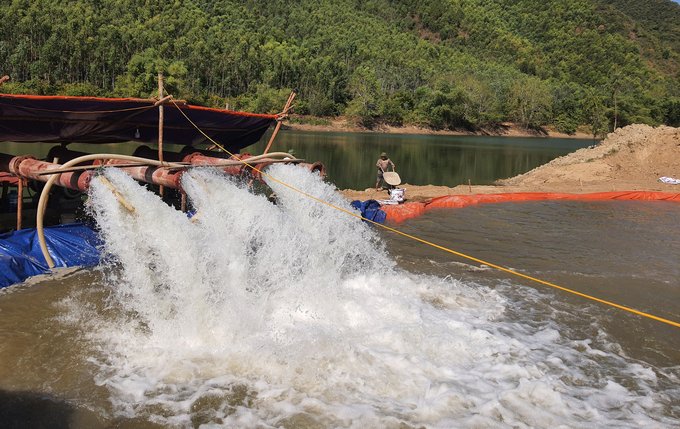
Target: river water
[421,159]
[298,315]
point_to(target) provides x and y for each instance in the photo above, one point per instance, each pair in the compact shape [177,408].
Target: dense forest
[443,64]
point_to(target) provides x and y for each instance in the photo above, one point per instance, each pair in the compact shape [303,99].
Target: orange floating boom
[401,212]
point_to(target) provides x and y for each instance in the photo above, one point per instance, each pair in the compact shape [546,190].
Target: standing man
[383,163]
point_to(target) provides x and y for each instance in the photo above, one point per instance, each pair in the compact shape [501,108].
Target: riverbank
[630,159]
[506,129]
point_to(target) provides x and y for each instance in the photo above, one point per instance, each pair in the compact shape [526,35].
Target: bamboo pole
[20,203]
[163,100]
[291,97]
[160,124]
[119,197]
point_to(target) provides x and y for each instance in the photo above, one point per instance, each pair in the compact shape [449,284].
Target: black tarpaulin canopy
[57,119]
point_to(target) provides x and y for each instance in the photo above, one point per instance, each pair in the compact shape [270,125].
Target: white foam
[261,315]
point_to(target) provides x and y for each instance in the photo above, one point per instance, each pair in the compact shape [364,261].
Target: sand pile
[631,158]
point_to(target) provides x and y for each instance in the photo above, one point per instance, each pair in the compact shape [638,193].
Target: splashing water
[292,314]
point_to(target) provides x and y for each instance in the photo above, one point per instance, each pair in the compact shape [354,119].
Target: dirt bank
[630,159]
[507,129]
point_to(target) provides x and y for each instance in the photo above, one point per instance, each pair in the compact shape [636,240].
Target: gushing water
[253,314]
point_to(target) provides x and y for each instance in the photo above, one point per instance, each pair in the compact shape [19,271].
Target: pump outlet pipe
[145,170]
[44,195]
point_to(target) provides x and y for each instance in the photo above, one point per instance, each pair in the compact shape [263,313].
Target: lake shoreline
[506,129]
[630,159]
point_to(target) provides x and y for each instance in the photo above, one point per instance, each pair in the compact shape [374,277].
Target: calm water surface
[421,159]
[291,315]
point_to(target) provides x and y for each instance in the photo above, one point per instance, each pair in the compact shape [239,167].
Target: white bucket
[397,194]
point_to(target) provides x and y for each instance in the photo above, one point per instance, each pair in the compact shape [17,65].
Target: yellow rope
[640,313]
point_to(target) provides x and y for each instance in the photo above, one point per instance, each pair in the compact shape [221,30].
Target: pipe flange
[189,158]
[14,165]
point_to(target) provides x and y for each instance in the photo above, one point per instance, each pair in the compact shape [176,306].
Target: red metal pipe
[240,170]
[317,167]
[243,170]
[28,167]
[149,174]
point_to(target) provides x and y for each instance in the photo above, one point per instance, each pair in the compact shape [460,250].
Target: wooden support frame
[160,124]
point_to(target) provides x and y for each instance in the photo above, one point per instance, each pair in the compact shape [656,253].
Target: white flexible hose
[42,203]
[46,190]
[269,155]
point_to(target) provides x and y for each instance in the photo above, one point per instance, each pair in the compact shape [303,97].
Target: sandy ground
[630,159]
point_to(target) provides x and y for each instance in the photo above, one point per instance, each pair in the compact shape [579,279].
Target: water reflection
[421,159]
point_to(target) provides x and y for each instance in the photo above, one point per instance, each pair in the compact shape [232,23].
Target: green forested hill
[660,18]
[653,24]
[437,63]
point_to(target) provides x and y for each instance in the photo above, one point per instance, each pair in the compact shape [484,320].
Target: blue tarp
[78,244]
[69,245]
[370,209]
